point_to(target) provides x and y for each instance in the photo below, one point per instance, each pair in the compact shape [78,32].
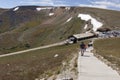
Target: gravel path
[33,49]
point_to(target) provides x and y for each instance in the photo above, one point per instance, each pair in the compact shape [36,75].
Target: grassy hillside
[27,26]
[13,19]
[2,10]
[36,64]
[109,49]
[41,31]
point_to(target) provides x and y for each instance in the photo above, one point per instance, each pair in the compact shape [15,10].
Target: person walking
[82,48]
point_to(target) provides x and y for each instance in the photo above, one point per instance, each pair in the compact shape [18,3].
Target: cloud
[108,3]
[45,2]
[38,2]
[61,3]
[96,6]
[105,4]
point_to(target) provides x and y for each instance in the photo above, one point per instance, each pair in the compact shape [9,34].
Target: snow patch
[85,26]
[69,19]
[86,17]
[67,8]
[56,55]
[51,14]
[15,9]
[39,8]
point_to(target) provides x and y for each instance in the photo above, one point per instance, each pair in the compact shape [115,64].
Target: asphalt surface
[91,68]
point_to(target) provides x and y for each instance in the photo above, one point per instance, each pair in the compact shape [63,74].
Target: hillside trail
[33,49]
[91,68]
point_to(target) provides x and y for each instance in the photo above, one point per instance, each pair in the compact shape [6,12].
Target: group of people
[83,47]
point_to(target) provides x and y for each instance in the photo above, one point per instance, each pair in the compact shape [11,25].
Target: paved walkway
[90,68]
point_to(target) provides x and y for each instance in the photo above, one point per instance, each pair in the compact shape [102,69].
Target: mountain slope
[2,10]
[37,29]
[30,26]
[109,17]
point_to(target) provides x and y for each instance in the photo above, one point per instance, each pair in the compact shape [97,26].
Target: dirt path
[33,49]
[91,68]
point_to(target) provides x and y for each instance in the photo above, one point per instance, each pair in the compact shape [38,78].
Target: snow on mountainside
[15,9]
[51,14]
[86,17]
[85,26]
[39,8]
[69,19]
[67,8]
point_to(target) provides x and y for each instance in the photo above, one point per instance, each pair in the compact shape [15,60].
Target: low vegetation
[37,28]
[34,35]
[109,49]
[36,64]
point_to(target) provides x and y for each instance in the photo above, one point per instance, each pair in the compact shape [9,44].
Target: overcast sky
[106,4]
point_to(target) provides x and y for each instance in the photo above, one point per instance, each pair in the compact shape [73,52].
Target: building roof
[83,35]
